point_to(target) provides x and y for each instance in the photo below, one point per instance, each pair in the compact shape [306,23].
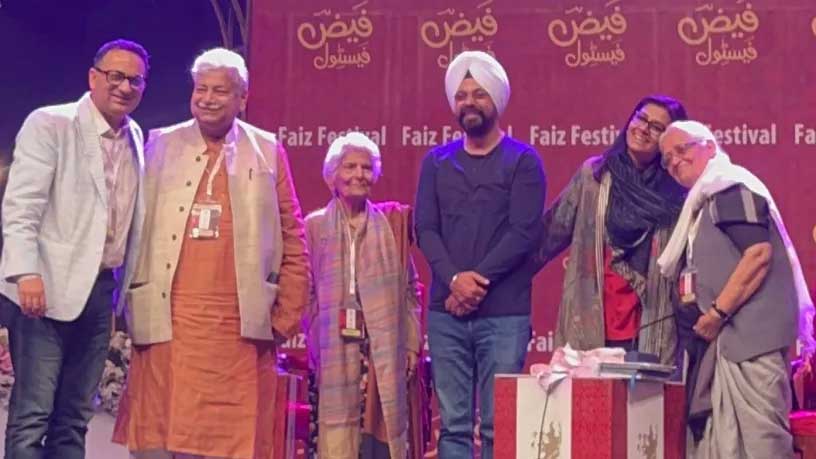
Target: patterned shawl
[577,220]
[381,283]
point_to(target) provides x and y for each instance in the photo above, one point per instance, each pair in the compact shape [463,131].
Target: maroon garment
[620,302]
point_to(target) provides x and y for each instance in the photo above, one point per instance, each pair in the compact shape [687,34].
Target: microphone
[644,357]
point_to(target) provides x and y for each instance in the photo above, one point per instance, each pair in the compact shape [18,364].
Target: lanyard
[693,235]
[353,261]
[214,171]
[352,289]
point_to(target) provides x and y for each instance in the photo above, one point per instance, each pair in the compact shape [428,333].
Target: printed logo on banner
[592,41]
[722,39]
[541,342]
[804,135]
[452,32]
[296,342]
[341,44]
[547,444]
[543,433]
[645,428]
[647,443]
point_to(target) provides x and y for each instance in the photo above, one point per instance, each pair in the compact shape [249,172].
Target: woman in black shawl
[616,215]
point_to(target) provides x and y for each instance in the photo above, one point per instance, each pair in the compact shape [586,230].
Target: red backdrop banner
[321,67]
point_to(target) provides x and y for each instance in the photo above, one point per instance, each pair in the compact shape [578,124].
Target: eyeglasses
[116,78]
[654,128]
[678,151]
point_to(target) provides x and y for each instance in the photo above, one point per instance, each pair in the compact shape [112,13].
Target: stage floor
[98,444]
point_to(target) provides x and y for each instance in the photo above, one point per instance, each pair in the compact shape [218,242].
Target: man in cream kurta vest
[263,232]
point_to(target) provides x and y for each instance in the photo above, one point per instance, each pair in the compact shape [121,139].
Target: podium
[597,418]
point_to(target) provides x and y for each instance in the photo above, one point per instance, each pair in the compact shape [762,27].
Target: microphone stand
[644,357]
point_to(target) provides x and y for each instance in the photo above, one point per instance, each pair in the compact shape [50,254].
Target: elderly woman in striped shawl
[362,323]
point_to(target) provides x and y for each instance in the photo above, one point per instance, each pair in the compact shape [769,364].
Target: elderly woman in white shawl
[742,300]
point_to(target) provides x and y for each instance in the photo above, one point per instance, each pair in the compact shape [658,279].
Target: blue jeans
[57,366]
[465,355]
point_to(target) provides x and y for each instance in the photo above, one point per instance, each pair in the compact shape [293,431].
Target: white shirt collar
[103,128]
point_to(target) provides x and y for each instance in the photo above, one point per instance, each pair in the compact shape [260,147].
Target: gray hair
[345,144]
[222,58]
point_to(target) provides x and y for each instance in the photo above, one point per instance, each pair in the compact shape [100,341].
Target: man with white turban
[478,209]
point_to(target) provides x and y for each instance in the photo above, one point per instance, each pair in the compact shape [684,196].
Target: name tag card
[206,218]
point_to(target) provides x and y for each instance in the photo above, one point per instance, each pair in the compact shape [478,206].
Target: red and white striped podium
[597,418]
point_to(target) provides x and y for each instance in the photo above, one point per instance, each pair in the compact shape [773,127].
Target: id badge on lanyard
[206,214]
[352,324]
[687,286]
[205,219]
[351,320]
[687,283]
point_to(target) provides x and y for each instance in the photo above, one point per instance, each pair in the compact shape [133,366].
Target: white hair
[695,129]
[353,141]
[222,58]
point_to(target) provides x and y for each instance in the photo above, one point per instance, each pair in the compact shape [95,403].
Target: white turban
[486,70]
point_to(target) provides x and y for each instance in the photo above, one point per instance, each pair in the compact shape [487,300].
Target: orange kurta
[208,391]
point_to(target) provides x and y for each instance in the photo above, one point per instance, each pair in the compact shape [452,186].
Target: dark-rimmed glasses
[116,78]
[642,120]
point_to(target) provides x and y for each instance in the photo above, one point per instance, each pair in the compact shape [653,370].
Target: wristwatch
[453,279]
[719,311]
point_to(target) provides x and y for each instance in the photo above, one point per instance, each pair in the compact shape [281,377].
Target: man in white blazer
[72,215]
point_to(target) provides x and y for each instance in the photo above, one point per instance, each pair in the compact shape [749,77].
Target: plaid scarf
[381,280]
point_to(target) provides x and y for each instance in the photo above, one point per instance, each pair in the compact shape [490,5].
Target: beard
[476,127]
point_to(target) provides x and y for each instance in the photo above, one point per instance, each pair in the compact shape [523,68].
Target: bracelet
[453,279]
[719,311]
